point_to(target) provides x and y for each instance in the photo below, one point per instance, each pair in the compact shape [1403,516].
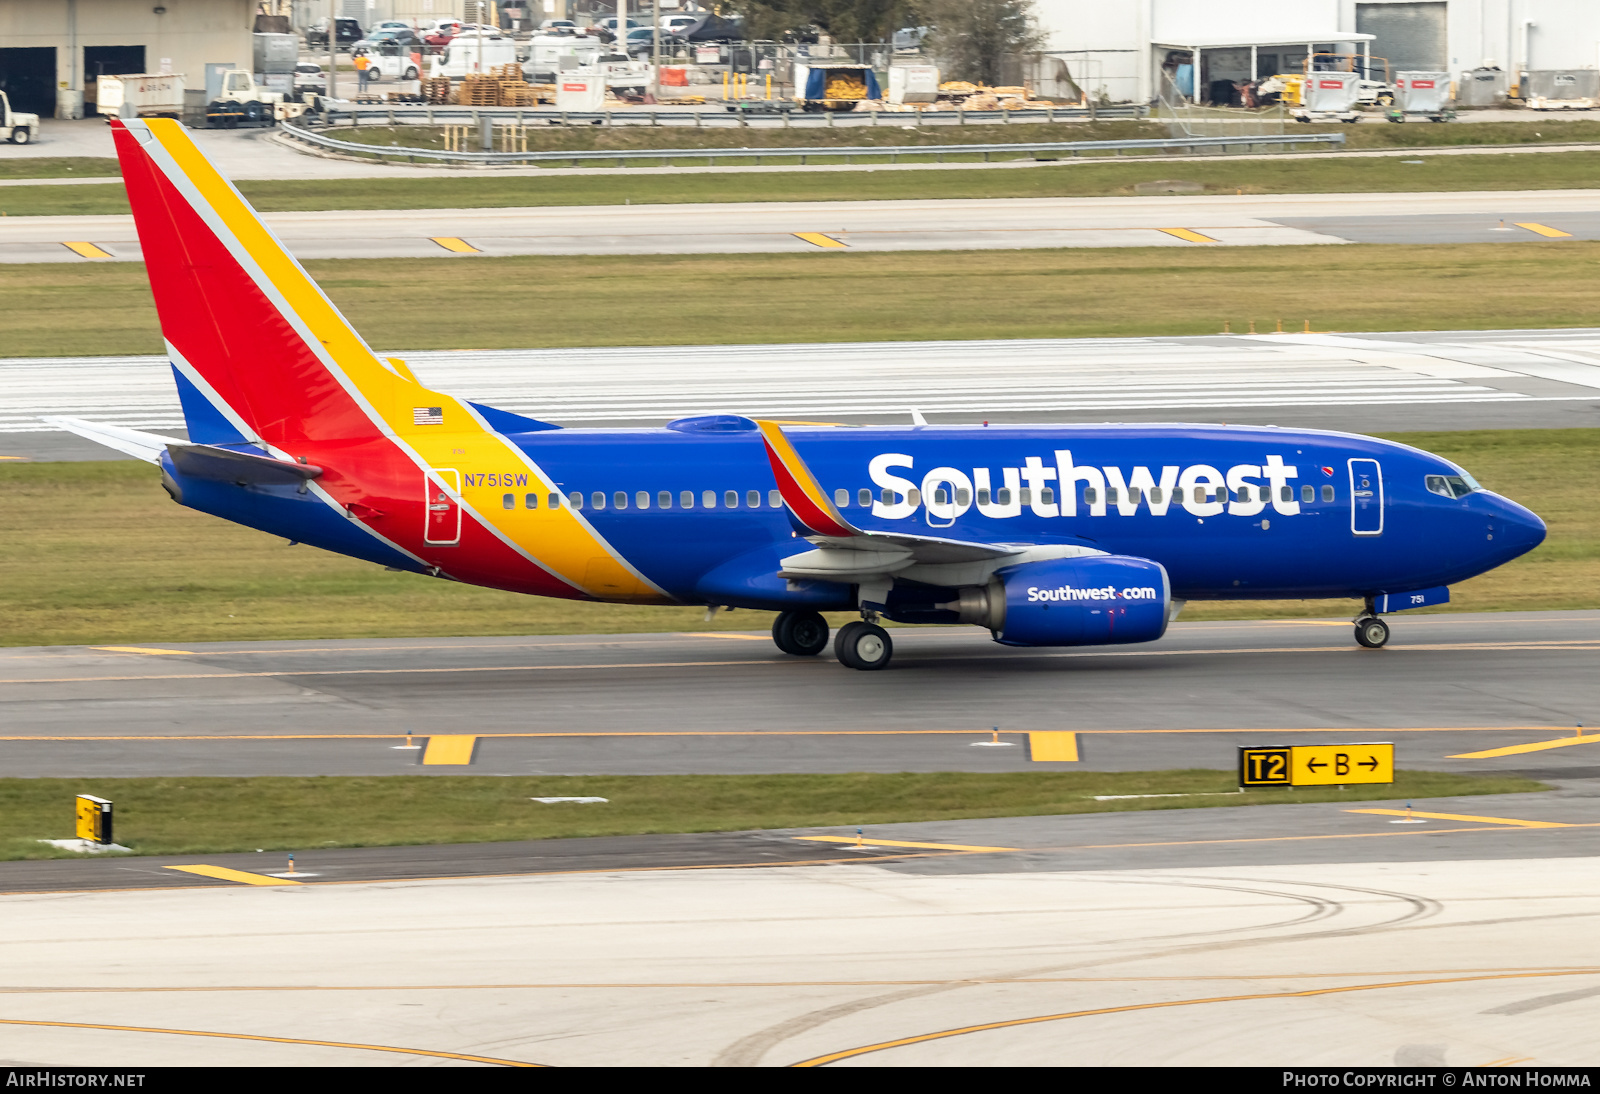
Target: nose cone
[1516,530]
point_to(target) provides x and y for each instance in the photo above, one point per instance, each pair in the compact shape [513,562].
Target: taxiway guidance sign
[1316,765]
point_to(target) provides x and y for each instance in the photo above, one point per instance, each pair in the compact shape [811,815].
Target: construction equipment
[17,128]
[243,102]
[1424,95]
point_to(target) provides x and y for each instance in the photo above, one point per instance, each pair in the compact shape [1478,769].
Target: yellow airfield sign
[1316,765]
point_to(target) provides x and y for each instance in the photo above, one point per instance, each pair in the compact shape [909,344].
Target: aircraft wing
[845,552]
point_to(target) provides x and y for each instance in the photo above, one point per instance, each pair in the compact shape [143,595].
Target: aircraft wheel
[863,646]
[1372,633]
[804,634]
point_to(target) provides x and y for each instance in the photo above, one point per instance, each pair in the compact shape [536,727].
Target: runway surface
[1423,955]
[1367,383]
[912,225]
[1446,686]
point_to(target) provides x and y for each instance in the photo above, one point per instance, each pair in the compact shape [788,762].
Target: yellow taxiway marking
[1053,745]
[277,1040]
[1463,817]
[87,250]
[452,748]
[1534,746]
[832,1057]
[1189,235]
[222,873]
[140,649]
[857,841]
[733,733]
[1543,229]
[13,457]
[817,239]
[451,243]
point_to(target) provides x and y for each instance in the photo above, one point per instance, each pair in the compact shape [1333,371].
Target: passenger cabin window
[1111,494]
[598,499]
[686,499]
[1002,496]
[664,499]
[841,498]
[914,496]
[1327,493]
[1155,494]
[620,499]
[887,497]
[509,501]
[1285,493]
[531,501]
[963,496]
[1449,486]
[642,499]
[1090,495]
[864,497]
[730,498]
[941,496]
[576,500]
[983,495]
[1307,493]
[774,499]
[553,501]
[752,499]
[1027,495]
[708,499]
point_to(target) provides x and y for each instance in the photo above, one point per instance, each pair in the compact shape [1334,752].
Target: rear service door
[443,521]
[1366,498]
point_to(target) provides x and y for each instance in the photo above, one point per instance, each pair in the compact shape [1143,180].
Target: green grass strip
[193,815]
[842,296]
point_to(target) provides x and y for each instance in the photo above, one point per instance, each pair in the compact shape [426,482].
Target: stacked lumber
[518,95]
[436,90]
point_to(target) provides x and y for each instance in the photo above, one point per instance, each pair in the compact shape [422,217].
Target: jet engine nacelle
[1095,600]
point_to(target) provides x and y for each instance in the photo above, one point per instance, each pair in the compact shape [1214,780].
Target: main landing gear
[804,634]
[863,645]
[1372,632]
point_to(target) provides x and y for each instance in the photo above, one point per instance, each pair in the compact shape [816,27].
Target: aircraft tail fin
[250,333]
[808,503]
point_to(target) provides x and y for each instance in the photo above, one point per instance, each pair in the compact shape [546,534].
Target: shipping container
[1482,87]
[1562,89]
[146,94]
[913,84]
[1421,92]
[581,91]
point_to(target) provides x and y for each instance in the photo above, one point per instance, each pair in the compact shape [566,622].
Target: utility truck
[244,102]
[18,128]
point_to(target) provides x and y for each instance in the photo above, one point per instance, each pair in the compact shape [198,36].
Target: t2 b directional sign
[1316,765]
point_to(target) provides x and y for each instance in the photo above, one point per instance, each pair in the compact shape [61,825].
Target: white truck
[143,95]
[462,56]
[549,55]
[18,128]
[242,100]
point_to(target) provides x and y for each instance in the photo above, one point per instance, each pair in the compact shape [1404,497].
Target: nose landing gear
[1372,632]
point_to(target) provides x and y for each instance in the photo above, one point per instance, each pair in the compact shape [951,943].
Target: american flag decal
[427,415]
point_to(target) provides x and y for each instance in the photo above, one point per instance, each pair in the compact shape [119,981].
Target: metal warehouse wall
[44,42]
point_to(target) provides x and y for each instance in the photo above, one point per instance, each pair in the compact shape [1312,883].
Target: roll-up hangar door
[1411,36]
[28,77]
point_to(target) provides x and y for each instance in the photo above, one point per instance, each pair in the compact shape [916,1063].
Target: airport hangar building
[1117,48]
[52,51]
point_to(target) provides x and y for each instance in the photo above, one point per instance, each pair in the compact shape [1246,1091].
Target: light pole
[333,52]
[655,52]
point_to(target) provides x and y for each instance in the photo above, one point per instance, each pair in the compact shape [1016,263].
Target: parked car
[558,26]
[378,41]
[309,78]
[348,34]
[672,24]
[640,41]
[610,23]
[391,24]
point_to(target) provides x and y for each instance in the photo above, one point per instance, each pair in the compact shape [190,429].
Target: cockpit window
[1451,486]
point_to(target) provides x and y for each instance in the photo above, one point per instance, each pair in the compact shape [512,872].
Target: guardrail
[713,118]
[849,153]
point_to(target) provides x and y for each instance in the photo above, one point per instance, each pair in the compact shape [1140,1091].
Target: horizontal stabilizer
[133,442]
[205,461]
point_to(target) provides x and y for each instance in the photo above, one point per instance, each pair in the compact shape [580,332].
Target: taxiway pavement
[1447,686]
[908,225]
